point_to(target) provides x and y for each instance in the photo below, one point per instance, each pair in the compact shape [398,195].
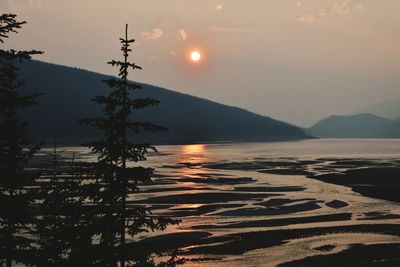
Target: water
[233,189]
[346,148]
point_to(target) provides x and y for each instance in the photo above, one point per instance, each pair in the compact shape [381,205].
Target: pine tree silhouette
[114,178]
[16,150]
[62,223]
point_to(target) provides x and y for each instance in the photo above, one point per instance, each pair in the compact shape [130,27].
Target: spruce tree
[115,180]
[16,150]
[63,218]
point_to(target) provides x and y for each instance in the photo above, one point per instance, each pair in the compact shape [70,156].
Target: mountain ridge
[191,119]
[387,109]
[364,125]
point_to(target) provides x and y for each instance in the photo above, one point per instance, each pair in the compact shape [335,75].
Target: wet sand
[236,213]
[243,207]
[379,182]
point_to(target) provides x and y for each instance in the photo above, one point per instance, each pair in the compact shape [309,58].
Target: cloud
[172,53]
[153,35]
[299,3]
[35,3]
[20,6]
[219,7]
[360,8]
[228,29]
[337,9]
[182,35]
[306,18]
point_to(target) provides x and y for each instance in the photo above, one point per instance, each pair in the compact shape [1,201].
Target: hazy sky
[297,61]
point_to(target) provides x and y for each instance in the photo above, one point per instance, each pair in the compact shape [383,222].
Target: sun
[195,56]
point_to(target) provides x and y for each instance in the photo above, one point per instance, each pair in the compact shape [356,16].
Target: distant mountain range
[356,126]
[68,93]
[390,109]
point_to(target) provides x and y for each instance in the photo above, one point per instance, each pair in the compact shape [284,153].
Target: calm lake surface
[315,148]
[346,148]
[224,192]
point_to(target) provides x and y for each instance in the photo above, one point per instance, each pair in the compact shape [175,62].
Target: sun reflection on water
[193,156]
[193,149]
[188,206]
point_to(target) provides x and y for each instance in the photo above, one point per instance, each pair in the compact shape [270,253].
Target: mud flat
[271,204]
[315,212]
[377,182]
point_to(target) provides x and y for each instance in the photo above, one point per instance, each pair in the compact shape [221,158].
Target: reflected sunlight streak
[193,149]
[194,154]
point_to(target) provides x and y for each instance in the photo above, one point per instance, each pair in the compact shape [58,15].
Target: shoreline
[242,205]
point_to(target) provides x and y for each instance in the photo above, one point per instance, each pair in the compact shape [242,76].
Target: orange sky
[292,60]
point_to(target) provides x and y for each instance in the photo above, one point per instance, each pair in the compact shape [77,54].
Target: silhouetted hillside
[357,126]
[68,94]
